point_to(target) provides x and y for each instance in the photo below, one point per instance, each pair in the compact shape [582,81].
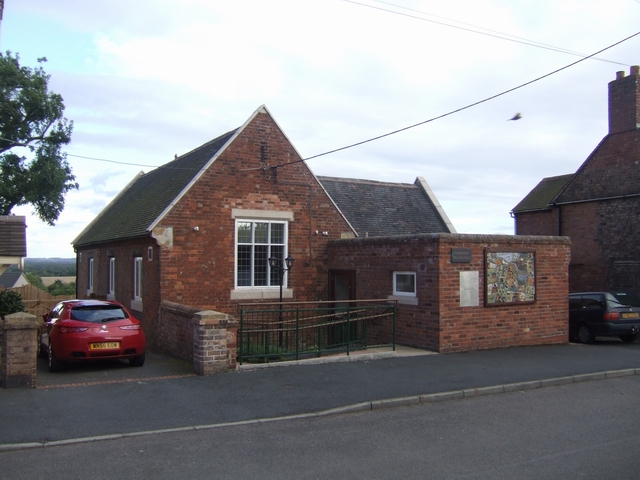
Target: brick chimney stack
[624,102]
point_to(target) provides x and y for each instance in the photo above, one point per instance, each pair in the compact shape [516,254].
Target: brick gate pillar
[18,364]
[214,342]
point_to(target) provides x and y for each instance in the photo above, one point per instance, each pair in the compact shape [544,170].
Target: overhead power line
[113,161]
[461,108]
[466,107]
[476,29]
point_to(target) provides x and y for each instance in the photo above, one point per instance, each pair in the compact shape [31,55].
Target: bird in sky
[517,116]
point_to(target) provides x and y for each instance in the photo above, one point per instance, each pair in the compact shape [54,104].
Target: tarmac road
[570,431]
[114,399]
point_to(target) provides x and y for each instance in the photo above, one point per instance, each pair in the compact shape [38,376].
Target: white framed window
[150,254]
[256,241]
[137,278]
[111,293]
[90,277]
[404,284]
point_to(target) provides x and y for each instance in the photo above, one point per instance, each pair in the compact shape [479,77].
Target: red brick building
[453,307]
[199,230]
[597,207]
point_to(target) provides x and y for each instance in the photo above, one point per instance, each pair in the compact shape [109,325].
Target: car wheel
[585,335]
[629,337]
[54,364]
[137,361]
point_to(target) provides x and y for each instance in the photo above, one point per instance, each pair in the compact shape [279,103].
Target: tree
[31,120]
[10,302]
[59,288]
[35,280]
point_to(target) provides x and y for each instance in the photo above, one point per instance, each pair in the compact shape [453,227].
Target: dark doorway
[342,286]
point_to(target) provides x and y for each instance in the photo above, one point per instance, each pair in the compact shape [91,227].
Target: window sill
[136,305]
[261,294]
[402,300]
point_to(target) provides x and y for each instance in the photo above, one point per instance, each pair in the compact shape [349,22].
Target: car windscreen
[617,299]
[98,313]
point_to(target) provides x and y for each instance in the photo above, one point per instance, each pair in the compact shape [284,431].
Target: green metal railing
[294,331]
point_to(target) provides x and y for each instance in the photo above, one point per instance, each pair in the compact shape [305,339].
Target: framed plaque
[510,277]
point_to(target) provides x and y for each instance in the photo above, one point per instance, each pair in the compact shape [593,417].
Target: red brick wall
[375,259]
[438,322]
[124,253]
[175,330]
[602,221]
[199,269]
[605,237]
[543,222]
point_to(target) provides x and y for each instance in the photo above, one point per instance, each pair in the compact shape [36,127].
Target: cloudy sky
[146,79]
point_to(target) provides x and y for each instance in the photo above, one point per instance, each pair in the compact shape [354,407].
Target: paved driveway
[158,366]
[112,371]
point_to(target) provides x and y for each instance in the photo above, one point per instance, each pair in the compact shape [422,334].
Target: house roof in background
[611,171]
[11,279]
[542,195]
[13,236]
[139,205]
[377,209]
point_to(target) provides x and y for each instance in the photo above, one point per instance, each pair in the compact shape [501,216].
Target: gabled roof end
[432,196]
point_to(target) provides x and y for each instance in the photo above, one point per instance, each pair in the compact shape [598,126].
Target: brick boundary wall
[174,330]
[206,338]
[18,350]
[436,321]
[214,342]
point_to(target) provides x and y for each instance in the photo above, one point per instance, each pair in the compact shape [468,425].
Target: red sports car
[85,330]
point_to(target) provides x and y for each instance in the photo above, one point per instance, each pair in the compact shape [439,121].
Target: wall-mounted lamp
[195,229]
[274,263]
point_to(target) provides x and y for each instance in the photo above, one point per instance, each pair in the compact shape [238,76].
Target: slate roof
[543,194]
[377,209]
[10,279]
[139,205]
[372,208]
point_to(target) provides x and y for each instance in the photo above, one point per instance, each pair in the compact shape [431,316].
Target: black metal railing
[294,331]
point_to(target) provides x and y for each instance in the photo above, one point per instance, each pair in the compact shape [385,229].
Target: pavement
[107,400]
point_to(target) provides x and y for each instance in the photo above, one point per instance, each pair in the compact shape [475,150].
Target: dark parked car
[604,314]
[85,330]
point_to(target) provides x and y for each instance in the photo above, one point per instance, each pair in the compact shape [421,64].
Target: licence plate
[104,345]
[631,315]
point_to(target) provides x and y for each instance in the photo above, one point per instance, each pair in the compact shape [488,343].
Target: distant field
[50,280]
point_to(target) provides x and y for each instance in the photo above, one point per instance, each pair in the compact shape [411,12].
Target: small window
[137,279]
[90,277]
[592,301]
[574,303]
[404,284]
[150,253]
[112,277]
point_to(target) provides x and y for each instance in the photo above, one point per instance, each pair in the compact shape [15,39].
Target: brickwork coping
[451,238]
[214,342]
[18,360]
